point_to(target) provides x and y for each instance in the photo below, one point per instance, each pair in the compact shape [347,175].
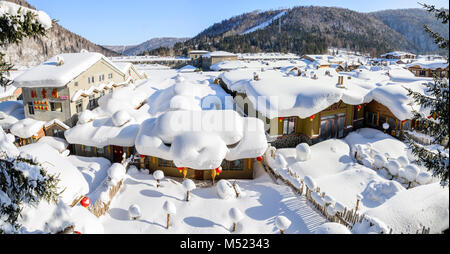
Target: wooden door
[199,174]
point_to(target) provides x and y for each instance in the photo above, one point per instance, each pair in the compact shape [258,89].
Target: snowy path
[205,213]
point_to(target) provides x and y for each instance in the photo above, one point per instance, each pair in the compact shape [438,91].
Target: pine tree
[14,27]
[436,123]
[17,188]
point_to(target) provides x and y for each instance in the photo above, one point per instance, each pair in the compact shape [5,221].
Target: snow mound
[332,228]
[85,117]
[370,225]
[134,211]
[6,145]
[116,172]
[225,190]
[393,166]
[310,183]
[424,178]
[303,152]
[411,172]
[120,118]
[280,161]
[403,161]
[379,161]
[378,192]
[236,214]
[169,207]
[189,185]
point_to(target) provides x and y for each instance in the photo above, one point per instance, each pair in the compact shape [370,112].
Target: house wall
[152,163]
[428,72]
[207,62]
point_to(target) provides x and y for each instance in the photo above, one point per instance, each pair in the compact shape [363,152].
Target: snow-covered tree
[435,124]
[158,175]
[22,181]
[17,23]
[189,185]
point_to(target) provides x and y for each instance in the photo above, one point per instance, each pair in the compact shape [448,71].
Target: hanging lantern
[142,156]
[181,170]
[44,93]
[85,202]
[311,118]
[429,117]
[359,107]
[35,107]
[77,232]
[219,170]
[55,93]
[259,159]
[281,119]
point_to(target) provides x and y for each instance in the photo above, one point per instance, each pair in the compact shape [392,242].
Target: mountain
[57,40]
[166,42]
[410,23]
[312,29]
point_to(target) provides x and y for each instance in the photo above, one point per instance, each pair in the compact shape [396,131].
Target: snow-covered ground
[261,201]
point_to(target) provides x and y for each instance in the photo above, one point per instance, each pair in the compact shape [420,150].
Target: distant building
[212,58]
[403,57]
[196,57]
[429,68]
[67,84]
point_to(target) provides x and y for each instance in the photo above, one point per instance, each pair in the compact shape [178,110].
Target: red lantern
[281,119]
[44,93]
[311,118]
[85,202]
[77,232]
[219,170]
[359,108]
[35,107]
[259,159]
[181,170]
[404,121]
[142,156]
[429,117]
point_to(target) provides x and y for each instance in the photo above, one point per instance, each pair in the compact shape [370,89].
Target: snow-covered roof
[26,128]
[198,52]
[432,65]
[227,65]
[188,68]
[202,139]
[52,74]
[123,66]
[218,54]
[397,53]
[10,113]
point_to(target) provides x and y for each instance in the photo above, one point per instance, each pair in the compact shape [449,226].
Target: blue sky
[119,22]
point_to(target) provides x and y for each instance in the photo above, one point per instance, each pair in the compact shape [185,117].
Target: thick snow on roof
[56,164]
[123,66]
[26,128]
[50,74]
[188,68]
[432,65]
[12,9]
[10,113]
[227,65]
[263,56]
[218,54]
[278,95]
[409,210]
[202,139]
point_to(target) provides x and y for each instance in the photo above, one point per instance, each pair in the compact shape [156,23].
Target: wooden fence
[100,208]
[346,217]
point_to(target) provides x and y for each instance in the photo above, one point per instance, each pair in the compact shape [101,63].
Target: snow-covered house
[130,70]
[398,55]
[67,84]
[201,142]
[196,56]
[429,68]
[315,106]
[212,58]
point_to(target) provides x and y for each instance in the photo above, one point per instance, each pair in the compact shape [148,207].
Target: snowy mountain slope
[264,24]
[154,43]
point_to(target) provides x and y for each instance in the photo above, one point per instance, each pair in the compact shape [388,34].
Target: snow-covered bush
[379,161]
[225,189]
[411,172]
[424,178]
[158,175]
[282,223]
[303,152]
[134,212]
[189,185]
[236,215]
[332,228]
[393,166]
[120,118]
[403,161]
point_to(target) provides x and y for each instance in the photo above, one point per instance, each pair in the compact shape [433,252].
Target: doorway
[199,174]
[117,154]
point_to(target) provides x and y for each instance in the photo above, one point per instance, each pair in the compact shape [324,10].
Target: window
[289,125]
[101,77]
[93,79]
[110,76]
[89,80]
[236,165]
[30,108]
[422,74]
[100,151]
[87,148]
[93,102]
[164,163]
[79,106]
[76,83]
[56,106]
